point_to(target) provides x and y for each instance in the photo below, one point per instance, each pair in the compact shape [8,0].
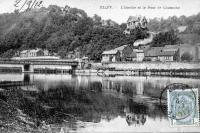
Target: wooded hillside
[61,31]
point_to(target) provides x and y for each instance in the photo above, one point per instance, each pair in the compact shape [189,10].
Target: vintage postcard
[103,66]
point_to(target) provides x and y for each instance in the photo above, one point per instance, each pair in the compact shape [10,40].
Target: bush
[186,57]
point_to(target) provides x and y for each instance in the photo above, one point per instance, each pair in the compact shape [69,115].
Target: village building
[125,51]
[24,53]
[73,54]
[121,49]
[131,57]
[164,54]
[70,55]
[139,55]
[110,56]
[33,53]
[135,21]
[168,53]
[152,53]
[167,56]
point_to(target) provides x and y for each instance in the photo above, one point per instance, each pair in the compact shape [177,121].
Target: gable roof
[35,50]
[24,51]
[153,51]
[121,47]
[110,52]
[171,47]
[132,18]
[132,55]
[167,53]
[185,45]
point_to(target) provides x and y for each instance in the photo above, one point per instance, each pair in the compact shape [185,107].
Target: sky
[120,10]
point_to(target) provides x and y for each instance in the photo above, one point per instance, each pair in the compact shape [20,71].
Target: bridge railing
[39,62]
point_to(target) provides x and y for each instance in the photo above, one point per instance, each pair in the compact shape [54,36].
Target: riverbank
[174,69]
[182,69]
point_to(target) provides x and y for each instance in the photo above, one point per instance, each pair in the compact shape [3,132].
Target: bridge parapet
[41,62]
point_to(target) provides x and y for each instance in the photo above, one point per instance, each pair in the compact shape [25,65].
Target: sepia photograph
[99,66]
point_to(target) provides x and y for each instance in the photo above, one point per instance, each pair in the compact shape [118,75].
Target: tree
[186,57]
[97,19]
[165,38]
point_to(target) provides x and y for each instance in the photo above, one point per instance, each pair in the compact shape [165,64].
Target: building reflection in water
[136,114]
[95,99]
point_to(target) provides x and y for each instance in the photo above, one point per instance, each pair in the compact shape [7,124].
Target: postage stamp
[183,107]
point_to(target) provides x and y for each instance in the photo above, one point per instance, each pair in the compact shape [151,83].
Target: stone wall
[153,65]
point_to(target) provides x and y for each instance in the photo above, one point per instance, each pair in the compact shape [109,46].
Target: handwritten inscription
[25,5]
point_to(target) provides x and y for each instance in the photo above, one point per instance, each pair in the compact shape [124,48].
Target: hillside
[62,31]
[59,31]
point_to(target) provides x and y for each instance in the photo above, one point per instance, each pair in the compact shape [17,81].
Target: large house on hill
[135,21]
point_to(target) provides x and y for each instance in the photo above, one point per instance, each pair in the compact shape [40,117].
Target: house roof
[171,47]
[114,51]
[136,18]
[110,52]
[35,50]
[132,55]
[24,51]
[121,47]
[167,53]
[144,47]
[153,51]
[185,45]
[31,51]
[132,18]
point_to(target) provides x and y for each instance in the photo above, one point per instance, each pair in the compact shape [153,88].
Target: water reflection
[92,103]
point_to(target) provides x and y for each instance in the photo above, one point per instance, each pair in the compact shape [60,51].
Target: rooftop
[167,53]
[110,52]
[121,47]
[35,50]
[153,51]
[24,51]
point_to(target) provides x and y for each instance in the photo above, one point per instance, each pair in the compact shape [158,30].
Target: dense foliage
[61,31]
[186,57]
[166,38]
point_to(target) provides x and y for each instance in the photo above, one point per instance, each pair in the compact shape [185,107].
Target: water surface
[100,104]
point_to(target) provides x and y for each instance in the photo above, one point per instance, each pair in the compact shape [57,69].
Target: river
[71,103]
